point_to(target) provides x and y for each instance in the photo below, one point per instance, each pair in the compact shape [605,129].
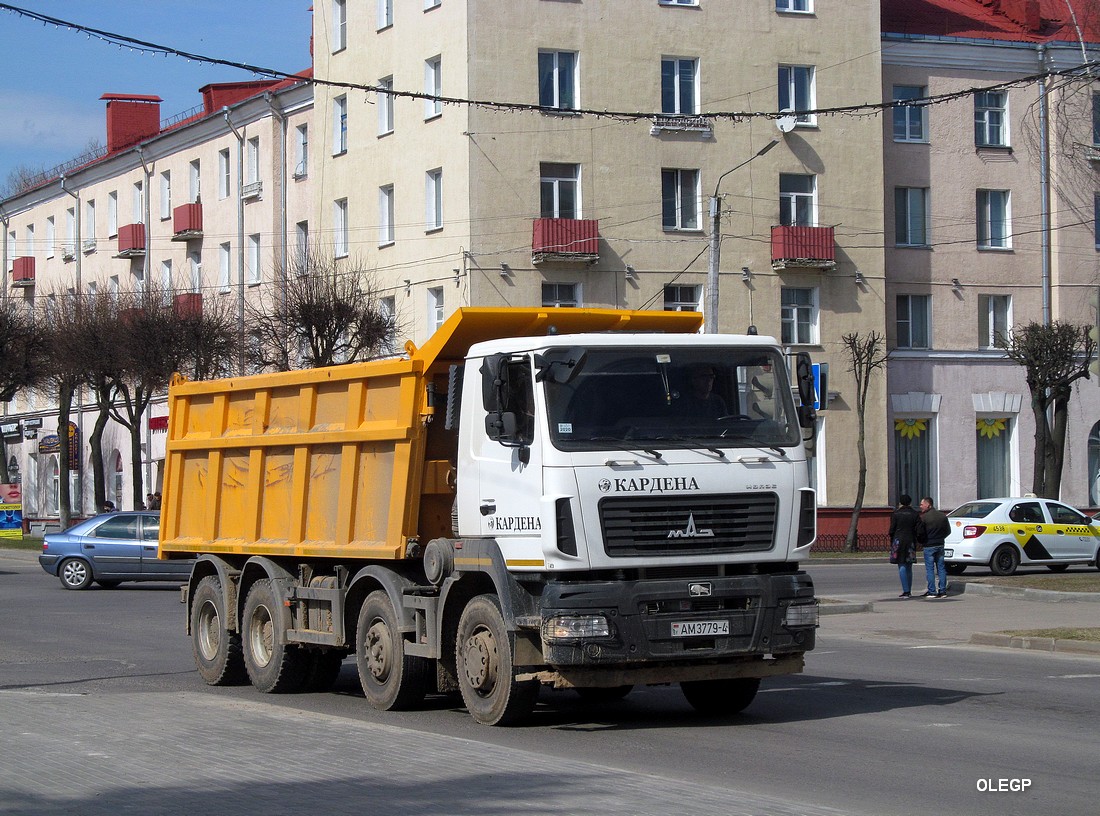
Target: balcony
[22,271]
[573,240]
[88,245]
[252,190]
[187,222]
[187,304]
[682,124]
[803,248]
[68,252]
[131,241]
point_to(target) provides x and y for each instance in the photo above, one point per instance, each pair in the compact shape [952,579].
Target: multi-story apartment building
[205,205]
[991,202]
[561,154]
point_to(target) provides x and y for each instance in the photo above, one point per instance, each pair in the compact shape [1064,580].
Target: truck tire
[217,651]
[391,679]
[721,698]
[274,667]
[486,675]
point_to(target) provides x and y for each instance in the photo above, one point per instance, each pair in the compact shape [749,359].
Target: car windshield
[684,397]
[977,509]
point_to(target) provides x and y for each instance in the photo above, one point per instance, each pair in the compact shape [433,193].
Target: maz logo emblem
[691,531]
[699,590]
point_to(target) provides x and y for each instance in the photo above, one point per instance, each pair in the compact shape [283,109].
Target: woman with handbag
[903,541]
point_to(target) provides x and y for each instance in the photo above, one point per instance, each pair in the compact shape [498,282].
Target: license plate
[700,628]
[948,553]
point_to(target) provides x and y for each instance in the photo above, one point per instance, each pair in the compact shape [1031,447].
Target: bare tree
[1054,356]
[326,314]
[866,355]
[22,347]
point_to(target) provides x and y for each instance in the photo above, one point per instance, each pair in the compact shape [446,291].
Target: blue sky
[53,78]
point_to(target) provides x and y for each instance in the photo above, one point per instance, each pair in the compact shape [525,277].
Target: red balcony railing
[187,304]
[187,222]
[570,239]
[22,271]
[131,240]
[807,247]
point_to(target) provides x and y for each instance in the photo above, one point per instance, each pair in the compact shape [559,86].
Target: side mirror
[559,365]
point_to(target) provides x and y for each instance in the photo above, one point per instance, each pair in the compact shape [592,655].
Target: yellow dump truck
[581,498]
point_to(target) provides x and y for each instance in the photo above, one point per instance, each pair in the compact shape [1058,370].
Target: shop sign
[10,429]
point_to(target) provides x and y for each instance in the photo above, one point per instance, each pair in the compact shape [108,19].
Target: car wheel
[486,674]
[1057,567]
[108,584]
[273,665]
[75,573]
[217,650]
[955,569]
[721,698]
[391,679]
[1005,560]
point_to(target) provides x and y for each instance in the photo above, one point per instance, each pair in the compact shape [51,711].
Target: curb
[1038,644]
[829,606]
[1028,594]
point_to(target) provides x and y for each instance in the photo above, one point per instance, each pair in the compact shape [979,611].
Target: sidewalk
[972,613]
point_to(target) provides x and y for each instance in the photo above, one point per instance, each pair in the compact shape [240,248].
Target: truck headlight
[574,627]
[801,615]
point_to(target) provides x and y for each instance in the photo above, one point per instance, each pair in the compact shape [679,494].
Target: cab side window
[1027,513]
[1061,514]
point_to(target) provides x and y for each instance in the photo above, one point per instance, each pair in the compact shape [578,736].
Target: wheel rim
[1004,560]
[379,657]
[208,634]
[481,661]
[74,573]
[261,636]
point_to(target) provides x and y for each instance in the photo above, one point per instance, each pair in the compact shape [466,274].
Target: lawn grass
[1091,635]
[1052,582]
[29,543]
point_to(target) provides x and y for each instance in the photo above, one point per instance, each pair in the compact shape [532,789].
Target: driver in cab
[699,400]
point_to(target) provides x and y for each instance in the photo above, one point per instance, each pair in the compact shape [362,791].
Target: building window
[797,200]
[431,4]
[138,199]
[798,316]
[558,79]
[166,277]
[223,173]
[301,151]
[680,200]
[301,244]
[679,86]
[913,455]
[340,227]
[560,294]
[990,119]
[993,219]
[87,228]
[433,87]
[911,216]
[433,199]
[1094,465]
[994,435]
[195,175]
[340,125]
[559,187]
[224,258]
[195,258]
[385,14]
[794,5]
[112,214]
[51,236]
[435,309]
[796,91]
[682,298]
[1096,117]
[385,106]
[385,215]
[387,310]
[914,321]
[1096,219]
[253,271]
[252,160]
[910,121]
[339,25]
[166,195]
[29,248]
[994,318]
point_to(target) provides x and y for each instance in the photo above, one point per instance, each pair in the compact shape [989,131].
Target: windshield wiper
[620,444]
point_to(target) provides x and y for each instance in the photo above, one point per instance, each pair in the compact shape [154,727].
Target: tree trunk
[1042,441]
[135,460]
[1056,453]
[851,541]
[95,442]
[64,497]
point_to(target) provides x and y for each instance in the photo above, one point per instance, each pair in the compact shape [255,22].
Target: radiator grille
[688,525]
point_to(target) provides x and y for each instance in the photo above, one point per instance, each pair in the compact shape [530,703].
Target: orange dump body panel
[337,462]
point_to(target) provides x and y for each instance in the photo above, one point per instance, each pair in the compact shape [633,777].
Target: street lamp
[710,311]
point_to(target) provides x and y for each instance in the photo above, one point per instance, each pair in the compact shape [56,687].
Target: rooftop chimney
[130,118]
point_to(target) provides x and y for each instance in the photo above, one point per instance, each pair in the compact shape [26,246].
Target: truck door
[510,463]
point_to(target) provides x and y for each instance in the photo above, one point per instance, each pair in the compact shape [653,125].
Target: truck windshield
[718,397]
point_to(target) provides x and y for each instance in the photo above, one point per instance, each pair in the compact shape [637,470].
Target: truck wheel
[721,698]
[1005,560]
[217,651]
[486,675]
[391,679]
[274,667]
[322,669]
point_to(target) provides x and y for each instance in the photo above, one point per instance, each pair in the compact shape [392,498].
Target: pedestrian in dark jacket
[936,528]
[903,541]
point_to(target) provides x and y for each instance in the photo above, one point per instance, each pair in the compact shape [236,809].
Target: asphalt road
[93,684]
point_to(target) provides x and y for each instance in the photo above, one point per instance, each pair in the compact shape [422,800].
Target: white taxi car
[1004,533]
